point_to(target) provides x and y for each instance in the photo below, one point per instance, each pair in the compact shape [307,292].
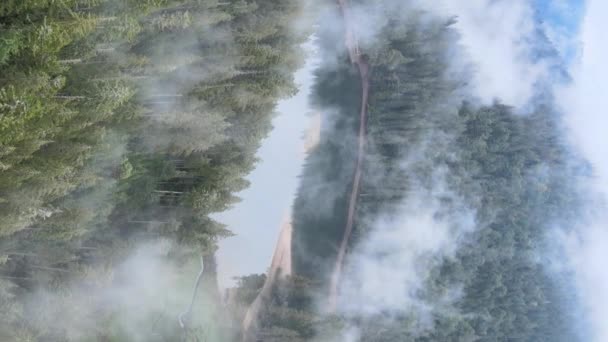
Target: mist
[139,298]
[510,52]
[388,272]
[148,119]
[496,37]
[585,119]
[460,151]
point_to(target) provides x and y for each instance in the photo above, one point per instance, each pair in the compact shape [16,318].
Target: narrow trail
[356,58]
[207,279]
[185,316]
[210,281]
[279,267]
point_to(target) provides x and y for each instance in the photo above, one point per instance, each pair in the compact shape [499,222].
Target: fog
[501,42]
[387,272]
[145,287]
[586,120]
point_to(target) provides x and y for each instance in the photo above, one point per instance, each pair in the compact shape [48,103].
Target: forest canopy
[125,125]
[122,122]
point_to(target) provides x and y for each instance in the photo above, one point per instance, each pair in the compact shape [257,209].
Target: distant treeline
[124,121]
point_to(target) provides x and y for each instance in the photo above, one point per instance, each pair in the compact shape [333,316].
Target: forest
[122,122]
[129,123]
[503,180]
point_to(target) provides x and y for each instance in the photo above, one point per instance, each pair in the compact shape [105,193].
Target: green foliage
[10,44]
[510,170]
[126,121]
[289,312]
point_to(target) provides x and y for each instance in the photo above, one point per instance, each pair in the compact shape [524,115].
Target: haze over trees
[495,181]
[123,122]
[127,123]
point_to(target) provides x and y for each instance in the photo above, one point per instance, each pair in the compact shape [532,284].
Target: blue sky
[563,13]
[563,20]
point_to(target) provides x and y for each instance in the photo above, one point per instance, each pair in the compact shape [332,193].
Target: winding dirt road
[352,44]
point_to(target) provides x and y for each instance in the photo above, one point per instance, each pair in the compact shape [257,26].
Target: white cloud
[389,270]
[495,36]
[584,104]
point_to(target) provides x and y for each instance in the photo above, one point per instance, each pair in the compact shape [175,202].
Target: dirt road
[279,267]
[356,58]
